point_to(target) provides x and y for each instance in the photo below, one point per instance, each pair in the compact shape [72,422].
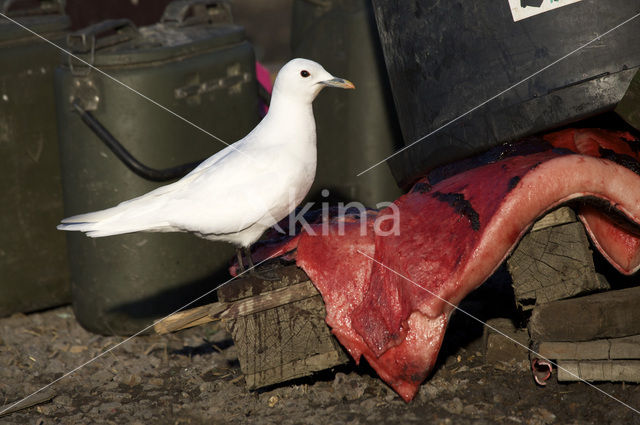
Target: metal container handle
[98,36]
[47,7]
[197,12]
[125,156]
[103,34]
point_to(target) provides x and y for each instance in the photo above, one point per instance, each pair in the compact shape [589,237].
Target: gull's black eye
[304,73]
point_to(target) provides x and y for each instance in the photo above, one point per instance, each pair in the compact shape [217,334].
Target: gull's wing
[226,193]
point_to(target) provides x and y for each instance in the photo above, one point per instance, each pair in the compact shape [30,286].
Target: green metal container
[197,64]
[356,128]
[33,256]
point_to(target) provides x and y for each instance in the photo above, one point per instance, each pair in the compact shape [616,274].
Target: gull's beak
[341,83]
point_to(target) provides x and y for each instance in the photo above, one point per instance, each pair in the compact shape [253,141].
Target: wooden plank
[553,262]
[244,307]
[589,350]
[268,300]
[625,348]
[38,398]
[599,370]
[251,286]
[611,314]
[183,319]
[601,349]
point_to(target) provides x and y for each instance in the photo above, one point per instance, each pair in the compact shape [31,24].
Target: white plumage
[239,192]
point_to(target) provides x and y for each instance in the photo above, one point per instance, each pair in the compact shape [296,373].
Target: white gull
[238,193]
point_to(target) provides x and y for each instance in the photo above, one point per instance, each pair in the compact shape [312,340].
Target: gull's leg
[247,251]
[253,272]
[240,262]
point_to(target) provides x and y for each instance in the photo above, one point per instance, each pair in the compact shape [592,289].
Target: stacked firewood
[577,324]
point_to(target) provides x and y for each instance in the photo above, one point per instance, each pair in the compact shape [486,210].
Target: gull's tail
[136,215]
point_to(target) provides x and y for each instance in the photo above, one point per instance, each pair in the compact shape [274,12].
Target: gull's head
[303,79]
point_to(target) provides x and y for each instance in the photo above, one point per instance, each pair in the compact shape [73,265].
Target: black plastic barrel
[446,58]
[197,64]
[354,128]
[33,256]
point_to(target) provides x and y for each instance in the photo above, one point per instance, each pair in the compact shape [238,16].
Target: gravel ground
[193,377]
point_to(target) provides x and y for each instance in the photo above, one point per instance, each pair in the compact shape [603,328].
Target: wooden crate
[284,342]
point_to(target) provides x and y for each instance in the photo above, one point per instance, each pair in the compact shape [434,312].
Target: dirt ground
[193,377]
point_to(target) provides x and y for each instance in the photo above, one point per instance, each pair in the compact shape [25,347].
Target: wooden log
[279,328]
[284,343]
[499,346]
[611,314]
[599,370]
[553,261]
[601,349]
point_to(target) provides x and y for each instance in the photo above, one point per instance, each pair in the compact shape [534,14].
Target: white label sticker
[522,9]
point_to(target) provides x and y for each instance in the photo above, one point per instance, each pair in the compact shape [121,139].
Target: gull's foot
[270,266]
[265,273]
[262,271]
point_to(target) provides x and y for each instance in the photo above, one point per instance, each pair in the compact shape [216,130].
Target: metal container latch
[85,93]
